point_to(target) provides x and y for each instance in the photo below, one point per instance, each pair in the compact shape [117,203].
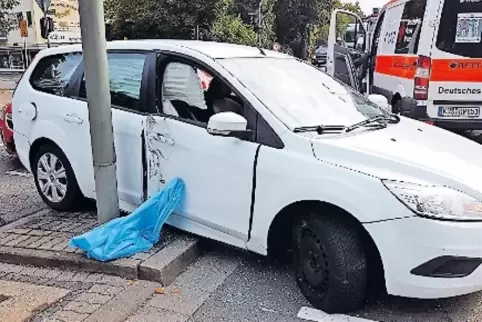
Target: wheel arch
[39,142]
[280,233]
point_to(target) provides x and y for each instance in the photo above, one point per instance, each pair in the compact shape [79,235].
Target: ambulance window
[410,26]
[376,33]
[460,30]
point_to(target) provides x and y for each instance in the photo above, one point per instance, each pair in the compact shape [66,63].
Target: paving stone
[141,256]
[125,304]
[17,240]
[153,314]
[60,246]
[113,280]
[106,289]
[29,270]
[67,316]
[181,300]
[69,226]
[51,243]
[53,274]
[80,277]
[20,231]
[7,238]
[39,233]
[66,276]
[41,272]
[93,298]
[41,241]
[94,277]
[28,241]
[10,268]
[82,307]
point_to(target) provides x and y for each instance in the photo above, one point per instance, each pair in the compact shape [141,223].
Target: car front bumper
[425,258]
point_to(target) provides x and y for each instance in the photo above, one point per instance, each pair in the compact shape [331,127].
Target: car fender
[362,195]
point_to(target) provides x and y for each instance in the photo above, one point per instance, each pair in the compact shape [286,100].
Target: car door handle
[163,139]
[71,118]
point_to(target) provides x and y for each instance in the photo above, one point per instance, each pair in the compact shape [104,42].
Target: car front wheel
[54,178]
[330,262]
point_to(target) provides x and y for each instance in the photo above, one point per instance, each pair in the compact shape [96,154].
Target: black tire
[73,195]
[397,107]
[330,263]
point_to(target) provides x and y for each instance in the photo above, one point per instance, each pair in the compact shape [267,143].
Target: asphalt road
[260,290]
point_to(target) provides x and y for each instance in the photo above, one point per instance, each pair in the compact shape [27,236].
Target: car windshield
[299,94]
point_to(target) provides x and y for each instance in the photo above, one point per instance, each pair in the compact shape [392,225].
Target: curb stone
[173,260]
[163,266]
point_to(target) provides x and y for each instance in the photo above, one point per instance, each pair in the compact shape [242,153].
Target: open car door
[347,57]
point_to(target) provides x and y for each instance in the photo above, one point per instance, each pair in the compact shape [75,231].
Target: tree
[229,27]
[295,19]
[143,19]
[7,21]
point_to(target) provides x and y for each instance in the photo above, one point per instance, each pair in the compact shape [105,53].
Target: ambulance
[425,57]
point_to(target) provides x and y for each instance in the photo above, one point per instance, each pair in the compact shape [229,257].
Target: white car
[275,155]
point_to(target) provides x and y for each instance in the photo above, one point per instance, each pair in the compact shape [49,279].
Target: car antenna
[261,51]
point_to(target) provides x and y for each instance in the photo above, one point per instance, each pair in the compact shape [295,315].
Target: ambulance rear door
[455,89]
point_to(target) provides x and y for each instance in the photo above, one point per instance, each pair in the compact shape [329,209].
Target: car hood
[410,151]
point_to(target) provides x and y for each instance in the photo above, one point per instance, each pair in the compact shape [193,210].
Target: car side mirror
[380,101]
[229,124]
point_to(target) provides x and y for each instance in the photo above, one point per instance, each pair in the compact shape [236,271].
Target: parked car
[6,128]
[319,59]
[275,155]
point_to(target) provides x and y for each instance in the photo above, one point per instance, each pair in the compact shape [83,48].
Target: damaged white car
[275,155]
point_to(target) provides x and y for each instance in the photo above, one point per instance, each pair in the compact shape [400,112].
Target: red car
[6,128]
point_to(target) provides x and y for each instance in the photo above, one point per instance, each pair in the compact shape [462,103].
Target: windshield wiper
[381,121]
[320,129]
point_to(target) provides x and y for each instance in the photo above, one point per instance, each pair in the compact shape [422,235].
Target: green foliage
[7,22]
[228,27]
[298,25]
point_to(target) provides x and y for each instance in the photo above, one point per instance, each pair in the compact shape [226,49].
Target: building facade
[15,50]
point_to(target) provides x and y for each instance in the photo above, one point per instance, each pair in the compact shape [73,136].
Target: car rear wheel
[330,263]
[54,178]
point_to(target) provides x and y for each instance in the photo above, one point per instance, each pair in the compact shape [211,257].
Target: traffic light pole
[99,103]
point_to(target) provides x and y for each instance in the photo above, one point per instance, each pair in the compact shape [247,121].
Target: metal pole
[197,32]
[260,25]
[99,102]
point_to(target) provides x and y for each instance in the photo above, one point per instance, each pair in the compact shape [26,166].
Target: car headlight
[436,201]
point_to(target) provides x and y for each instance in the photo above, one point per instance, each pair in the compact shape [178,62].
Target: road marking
[311,314]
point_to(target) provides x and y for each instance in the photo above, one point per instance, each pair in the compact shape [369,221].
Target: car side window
[125,77]
[53,73]
[193,94]
[410,26]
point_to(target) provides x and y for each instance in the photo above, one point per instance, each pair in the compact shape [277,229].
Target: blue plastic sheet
[138,232]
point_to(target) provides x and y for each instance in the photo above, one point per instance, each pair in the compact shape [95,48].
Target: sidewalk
[42,240]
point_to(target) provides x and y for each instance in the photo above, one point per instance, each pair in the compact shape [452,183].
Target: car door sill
[208,230]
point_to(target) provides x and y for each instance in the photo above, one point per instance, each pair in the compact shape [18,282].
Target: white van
[426,58]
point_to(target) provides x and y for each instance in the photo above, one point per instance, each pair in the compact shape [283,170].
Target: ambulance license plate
[458,111]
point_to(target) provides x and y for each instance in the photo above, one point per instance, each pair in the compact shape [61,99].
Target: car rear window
[52,74]
[460,30]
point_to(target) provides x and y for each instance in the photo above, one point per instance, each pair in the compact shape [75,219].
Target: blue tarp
[138,232]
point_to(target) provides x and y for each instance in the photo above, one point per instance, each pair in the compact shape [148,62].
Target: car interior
[183,94]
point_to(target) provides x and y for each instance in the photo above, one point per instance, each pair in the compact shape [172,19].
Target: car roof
[208,48]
